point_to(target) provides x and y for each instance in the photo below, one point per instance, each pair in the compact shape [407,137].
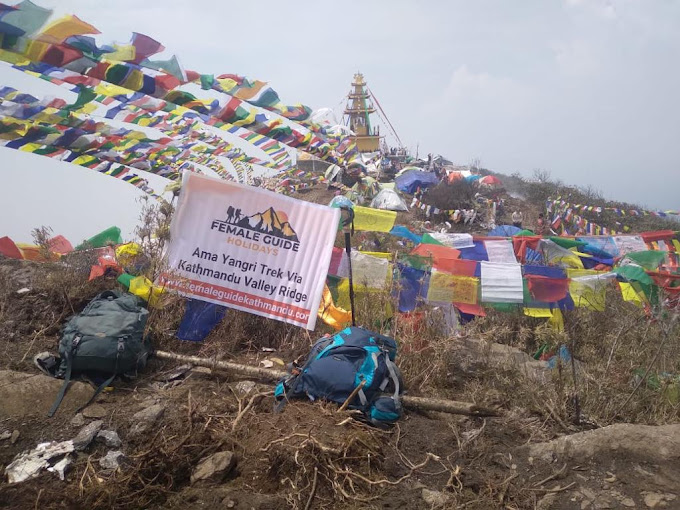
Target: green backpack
[105,339]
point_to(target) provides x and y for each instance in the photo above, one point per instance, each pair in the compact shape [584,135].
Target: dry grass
[613,350]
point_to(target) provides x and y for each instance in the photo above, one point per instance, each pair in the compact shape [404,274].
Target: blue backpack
[339,364]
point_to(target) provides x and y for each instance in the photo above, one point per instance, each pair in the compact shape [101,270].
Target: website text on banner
[250,249]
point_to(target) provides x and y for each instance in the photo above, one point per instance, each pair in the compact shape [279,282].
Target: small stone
[228,503]
[546,502]
[215,467]
[628,502]
[587,493]
[24,290]
[435,499]
[14,437]
[78,420]
[243,388]
[95,411]
[86,435]
[61,467]
[111,460]
[603,503]
[145,419]
[657,499]
[177,373]
[110,438]
[5,434]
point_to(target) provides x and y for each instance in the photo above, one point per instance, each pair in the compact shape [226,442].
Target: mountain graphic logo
[269,222]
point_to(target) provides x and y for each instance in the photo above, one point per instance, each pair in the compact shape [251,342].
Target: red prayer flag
[547,290]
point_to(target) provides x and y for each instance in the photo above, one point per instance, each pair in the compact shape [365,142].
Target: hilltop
[580,436]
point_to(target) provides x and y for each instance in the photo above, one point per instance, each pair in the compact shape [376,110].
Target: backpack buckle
[121,344]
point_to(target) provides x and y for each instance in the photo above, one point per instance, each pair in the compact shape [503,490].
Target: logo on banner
[267,231]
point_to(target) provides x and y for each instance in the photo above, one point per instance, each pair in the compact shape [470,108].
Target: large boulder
[652,443]
[24,394]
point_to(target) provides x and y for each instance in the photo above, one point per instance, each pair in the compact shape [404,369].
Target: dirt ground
[309,455]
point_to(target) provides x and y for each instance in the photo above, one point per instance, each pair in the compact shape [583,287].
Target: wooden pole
[351,396]
[266,374]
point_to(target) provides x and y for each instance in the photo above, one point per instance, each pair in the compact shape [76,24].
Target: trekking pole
[348,230]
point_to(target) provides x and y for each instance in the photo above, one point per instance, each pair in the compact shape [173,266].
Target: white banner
[250,249]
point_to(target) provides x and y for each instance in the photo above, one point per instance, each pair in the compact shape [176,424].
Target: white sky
[587,89]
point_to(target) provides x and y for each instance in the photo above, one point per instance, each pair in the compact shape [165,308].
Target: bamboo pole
[267,374]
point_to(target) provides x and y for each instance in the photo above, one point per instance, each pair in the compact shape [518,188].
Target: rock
[657,499]
[472,354]
[546,502]
[110,438]
[78,420]
[214,468]
[5,434]
[435,499]
[95,411]
[24,290]
[112,460]
[32,394]
[145,419]
[657,443]
[87,435]
[603,502]
[176,373]
[15,436]
[628,502]
[243,388]
[228,503]
[29,464]
[60,467]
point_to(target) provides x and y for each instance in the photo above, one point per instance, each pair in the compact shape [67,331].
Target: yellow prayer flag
[588,294]
[441,287]
[126,253]
[360,292]
[30,147]
[630,294]
[540,313]
[88,108]
[378,254]
[576,273]
[555,318]
[124,53]
[373,220]
[35,50]
[109,89]
[13,58]
[556,322]
[143,287]
[448,288]
[64,27]
[135,80]
[335,317]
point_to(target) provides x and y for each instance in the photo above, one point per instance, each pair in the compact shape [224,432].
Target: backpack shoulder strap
[64,387]
[97,392]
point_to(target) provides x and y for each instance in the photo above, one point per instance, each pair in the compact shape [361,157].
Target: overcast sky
[587,89]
